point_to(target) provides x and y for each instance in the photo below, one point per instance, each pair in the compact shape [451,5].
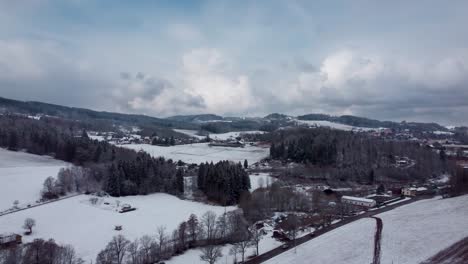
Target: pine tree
[180,181]
[246,164]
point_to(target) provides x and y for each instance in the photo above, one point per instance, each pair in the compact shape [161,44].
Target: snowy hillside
[201,152]
[89,227]
[322,123]
[415,232]
[22,176]
[411,234]
[351,244]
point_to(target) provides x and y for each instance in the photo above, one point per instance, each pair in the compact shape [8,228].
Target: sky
[389,60]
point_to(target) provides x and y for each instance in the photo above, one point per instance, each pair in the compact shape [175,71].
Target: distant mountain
[196,118]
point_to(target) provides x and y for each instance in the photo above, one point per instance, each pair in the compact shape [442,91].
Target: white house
[413,191]
[358,201]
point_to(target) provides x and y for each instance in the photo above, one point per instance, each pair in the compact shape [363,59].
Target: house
[358,201]
[414,191]
[9,239]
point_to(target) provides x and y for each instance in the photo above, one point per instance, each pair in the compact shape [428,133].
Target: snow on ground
[261,180]
[442,133]
[22,176]
[201,152]
[322,123]
[415,232]
[221,136]
[411,234]
[352,243]
[89,228]
[191,133]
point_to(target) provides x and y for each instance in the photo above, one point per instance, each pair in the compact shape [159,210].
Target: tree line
[40,251]
[208,233]
[223,182]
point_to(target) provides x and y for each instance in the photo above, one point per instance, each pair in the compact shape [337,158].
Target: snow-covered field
[351,244]
[322,123]
[22,175]
[89,228]
[411,234]
[201,152]
[415,232]
[221,136]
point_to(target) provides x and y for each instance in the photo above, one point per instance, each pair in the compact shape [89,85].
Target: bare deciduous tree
[241,247]
[256,236]
[29,223]
[210,253]
[118,246]
[209,223]
[161,238]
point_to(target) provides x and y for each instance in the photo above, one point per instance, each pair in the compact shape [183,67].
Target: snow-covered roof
[7,234]
[360,199]
[418,189]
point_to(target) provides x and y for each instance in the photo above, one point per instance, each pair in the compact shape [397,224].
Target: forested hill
[116,170]
[372,123]
[209,122]
[356,156]
[73,113]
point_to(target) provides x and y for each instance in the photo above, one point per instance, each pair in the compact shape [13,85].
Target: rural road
[40,204]
[278,250]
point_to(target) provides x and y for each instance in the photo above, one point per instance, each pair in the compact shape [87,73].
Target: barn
[358,201]
[9,239]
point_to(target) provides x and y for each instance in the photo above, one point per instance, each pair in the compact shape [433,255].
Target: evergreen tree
[180,181]
[246,164]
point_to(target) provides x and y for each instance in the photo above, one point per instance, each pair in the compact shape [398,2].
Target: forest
[223,182]
[355,156]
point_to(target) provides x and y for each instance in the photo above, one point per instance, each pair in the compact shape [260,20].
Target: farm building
[9,239]
[358,201]
[413,191]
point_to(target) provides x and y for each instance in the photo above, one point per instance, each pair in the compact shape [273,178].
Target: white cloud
[209,75]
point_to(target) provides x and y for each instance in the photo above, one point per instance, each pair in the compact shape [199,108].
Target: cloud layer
[399,61]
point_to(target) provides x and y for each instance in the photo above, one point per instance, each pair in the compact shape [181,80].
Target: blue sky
[396,60]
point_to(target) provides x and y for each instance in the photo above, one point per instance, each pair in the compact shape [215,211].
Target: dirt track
[455,254]
[377,240]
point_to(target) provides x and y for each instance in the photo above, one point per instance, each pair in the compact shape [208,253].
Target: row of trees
[118,170]
[73,179]
[163,141]
[209,232]
[40,252]
[223,182]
